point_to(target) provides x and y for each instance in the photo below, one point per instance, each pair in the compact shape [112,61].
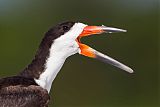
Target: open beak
[90,52]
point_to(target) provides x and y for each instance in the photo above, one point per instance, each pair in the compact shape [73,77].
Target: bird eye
[65,28]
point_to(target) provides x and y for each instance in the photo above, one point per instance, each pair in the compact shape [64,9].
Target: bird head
[66,37]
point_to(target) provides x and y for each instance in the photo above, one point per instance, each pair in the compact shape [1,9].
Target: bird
[31,86]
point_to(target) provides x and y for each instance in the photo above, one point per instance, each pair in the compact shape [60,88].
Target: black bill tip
[109,60]
[112,30]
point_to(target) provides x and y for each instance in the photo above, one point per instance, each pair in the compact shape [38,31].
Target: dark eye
[65,28]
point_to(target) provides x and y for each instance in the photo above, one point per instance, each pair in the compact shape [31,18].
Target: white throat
[61,48]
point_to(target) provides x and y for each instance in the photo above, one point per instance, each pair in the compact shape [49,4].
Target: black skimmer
[30,87]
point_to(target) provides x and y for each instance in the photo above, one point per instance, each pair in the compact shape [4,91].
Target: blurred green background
[85,82]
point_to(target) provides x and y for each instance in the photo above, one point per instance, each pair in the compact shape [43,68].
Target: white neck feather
[61,48]
[53,66]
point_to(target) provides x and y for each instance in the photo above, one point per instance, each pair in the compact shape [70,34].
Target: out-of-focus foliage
[85,82]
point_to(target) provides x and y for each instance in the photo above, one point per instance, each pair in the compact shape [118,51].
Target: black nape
[37,66]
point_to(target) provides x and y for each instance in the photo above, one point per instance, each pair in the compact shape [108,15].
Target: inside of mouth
[79,39]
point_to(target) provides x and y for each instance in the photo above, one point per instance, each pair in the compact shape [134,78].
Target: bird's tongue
[90,52]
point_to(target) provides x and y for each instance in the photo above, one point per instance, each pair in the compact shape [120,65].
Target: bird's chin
[73,49]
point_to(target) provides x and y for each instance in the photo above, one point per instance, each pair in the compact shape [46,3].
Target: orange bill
[90,52]
[90,30]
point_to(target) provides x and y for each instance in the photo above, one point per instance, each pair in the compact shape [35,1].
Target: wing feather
[22,95]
